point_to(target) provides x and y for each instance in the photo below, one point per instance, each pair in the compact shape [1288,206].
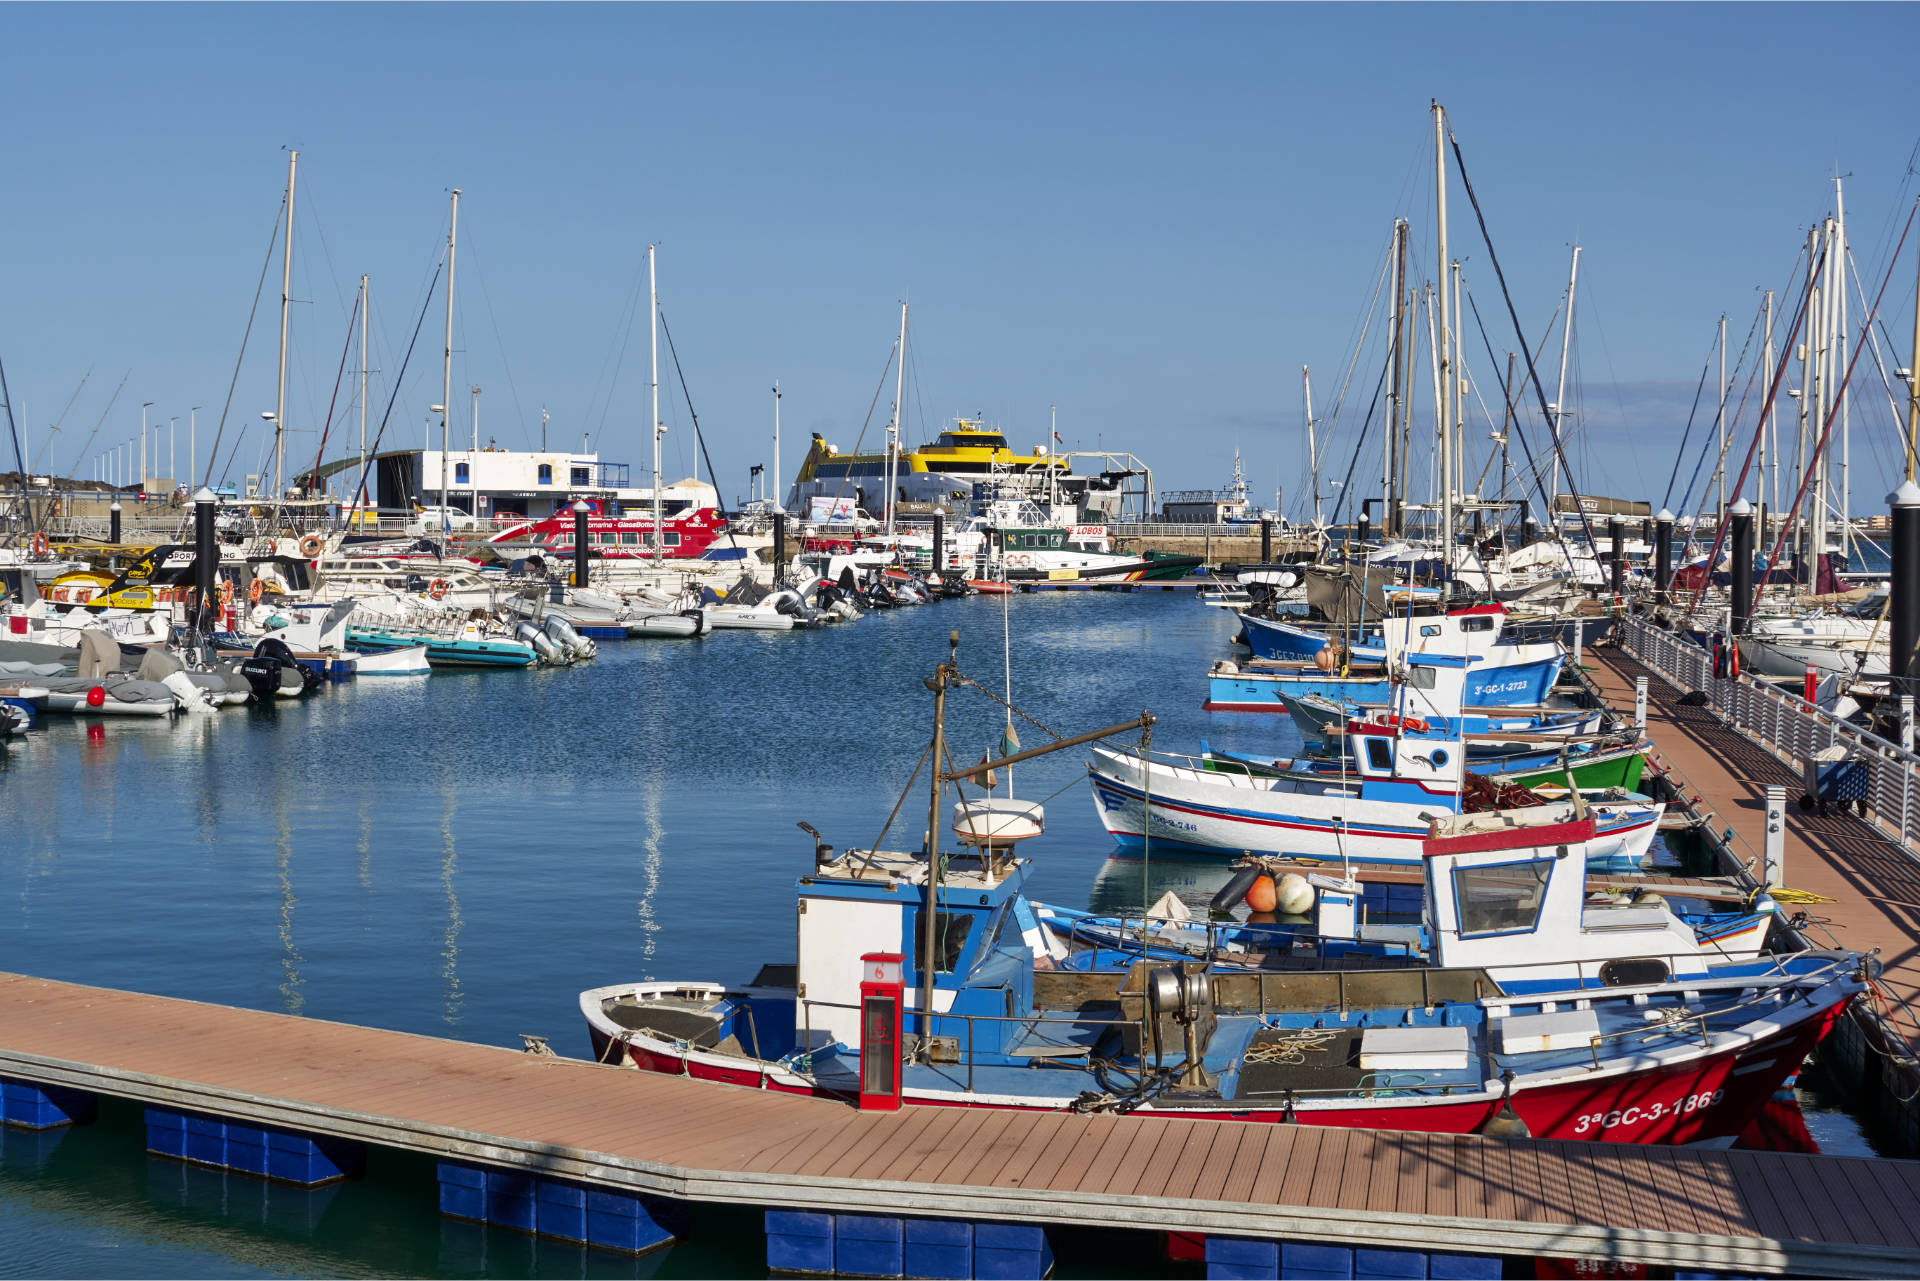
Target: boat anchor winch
[1188,1000]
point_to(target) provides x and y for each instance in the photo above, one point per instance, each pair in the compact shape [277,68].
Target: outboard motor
[262,676]
[549,654]
[699,616]
[294,680]
[563,634]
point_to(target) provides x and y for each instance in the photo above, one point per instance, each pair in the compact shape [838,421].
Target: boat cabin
[1507,891]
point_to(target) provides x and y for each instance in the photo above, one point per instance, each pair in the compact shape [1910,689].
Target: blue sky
[1149,216]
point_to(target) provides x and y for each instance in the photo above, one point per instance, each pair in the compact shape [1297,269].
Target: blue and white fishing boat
[925,981]
[1403,773]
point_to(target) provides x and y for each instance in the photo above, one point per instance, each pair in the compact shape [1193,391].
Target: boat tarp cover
[1343,595]
[1593,505]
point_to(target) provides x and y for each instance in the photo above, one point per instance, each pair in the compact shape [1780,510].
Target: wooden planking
[322,1070]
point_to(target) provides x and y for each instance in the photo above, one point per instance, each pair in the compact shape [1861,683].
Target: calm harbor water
[460,856]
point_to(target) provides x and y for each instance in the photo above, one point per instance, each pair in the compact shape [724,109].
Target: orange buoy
[1262,895]
[1323,658]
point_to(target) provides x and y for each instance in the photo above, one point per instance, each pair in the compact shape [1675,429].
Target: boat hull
[1708,1097]
[1241,690]
[1228,814]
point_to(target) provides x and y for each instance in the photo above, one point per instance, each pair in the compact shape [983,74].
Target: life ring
[40,544]
[226,591]
[437,589]
[310,546]
[253,592]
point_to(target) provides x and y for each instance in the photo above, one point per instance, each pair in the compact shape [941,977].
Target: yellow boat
[967,454]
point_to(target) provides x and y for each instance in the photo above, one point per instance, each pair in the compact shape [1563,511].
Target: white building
[501,484]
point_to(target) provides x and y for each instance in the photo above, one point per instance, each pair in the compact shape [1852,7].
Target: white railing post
[1775,846]
[1906,722]
[1640,703]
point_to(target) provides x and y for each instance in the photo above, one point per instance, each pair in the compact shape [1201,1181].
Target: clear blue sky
[1149,216]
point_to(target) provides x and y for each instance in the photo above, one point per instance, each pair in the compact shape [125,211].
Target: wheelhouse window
[1379,753]
[950,939]
[1503,899]
[1421,677]
[545,475]
[1476,624]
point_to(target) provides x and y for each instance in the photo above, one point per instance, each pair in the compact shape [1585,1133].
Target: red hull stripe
[1575,832]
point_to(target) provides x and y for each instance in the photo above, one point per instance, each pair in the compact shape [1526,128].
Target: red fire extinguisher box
[882,988]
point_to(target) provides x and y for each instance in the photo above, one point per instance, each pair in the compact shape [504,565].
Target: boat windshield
[1503,899]
[974,440]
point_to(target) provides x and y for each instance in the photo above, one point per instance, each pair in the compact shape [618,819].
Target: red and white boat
[1534,1011]
[686,535]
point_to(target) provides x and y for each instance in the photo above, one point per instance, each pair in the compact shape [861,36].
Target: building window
[460,476]
[582,476]
[546,473]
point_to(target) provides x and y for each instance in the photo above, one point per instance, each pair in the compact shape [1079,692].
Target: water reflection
[450,954]
[292,998]
[649,872]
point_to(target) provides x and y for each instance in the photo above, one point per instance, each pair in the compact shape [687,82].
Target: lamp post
[144,406]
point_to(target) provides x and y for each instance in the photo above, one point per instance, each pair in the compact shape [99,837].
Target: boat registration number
[1637,1115]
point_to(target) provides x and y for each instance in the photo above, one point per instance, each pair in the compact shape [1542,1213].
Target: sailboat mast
[1398,394]
[1506,431]
[363,383]
[1444,315]
[286,306]
[1720,418]
[1913,380]
[1458,389]
[893,431]
[778,501]
[1840,337]
[446,364]
[1760,481]
[1559,405]
[653,336]
[1313,453]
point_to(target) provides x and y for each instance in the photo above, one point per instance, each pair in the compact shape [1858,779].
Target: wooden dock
[1875,884]
[1742,1212]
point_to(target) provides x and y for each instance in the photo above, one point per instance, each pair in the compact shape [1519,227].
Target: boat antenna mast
[659,429]
[893,429]
[286,306]
[446,376]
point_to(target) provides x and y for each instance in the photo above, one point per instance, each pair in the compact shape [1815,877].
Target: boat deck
[1744,1212]
[1875,885]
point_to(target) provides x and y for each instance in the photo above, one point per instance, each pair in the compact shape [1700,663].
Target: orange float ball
[1262,895]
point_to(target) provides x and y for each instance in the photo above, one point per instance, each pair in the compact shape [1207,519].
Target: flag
[1009,741]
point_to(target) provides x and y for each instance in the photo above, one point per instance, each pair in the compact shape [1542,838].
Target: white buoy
[1295,895]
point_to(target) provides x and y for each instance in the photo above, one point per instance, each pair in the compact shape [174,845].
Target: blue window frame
[461,475]
[1501,898]
[546,473]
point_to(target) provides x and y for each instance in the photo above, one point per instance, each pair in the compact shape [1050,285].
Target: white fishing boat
[411,661]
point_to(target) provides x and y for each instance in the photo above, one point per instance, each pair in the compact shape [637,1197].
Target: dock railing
[1792,729]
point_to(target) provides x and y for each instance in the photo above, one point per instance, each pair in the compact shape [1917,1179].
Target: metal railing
[1789,727]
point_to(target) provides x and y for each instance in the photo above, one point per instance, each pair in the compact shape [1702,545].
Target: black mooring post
[1742,514]
[939,543]
[1905,612]
[1617,550]
[1662,556]
[779,546]
[1266,542]
[580,545]
[113,523]
[206,551]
